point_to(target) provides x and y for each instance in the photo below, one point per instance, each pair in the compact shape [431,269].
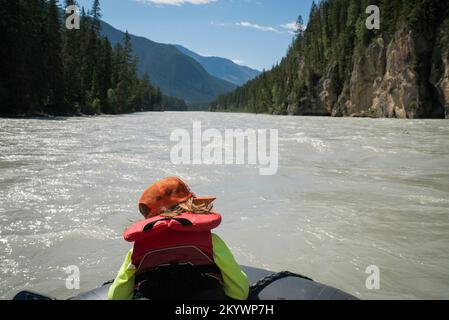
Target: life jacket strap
[184,222]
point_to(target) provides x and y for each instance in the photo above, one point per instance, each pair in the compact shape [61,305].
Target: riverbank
[367,115]
[44,115]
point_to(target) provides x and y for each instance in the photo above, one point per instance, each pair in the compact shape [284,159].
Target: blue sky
[251,32]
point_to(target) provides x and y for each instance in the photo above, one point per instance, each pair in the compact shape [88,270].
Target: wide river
[349,194]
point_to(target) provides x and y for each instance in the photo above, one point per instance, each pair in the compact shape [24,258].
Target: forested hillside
[337,67]
[46,68]
[223,68]
[177,74]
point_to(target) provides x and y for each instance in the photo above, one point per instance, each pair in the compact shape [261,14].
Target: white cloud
[237,61]
[220,24]
[256,26]
[292,27]
[289,28]
[176,2]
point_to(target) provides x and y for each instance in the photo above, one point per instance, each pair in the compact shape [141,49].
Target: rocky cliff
[385,81]
[337,67]
[443,86]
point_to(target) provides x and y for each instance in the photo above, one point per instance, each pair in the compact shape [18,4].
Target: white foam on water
[349,193]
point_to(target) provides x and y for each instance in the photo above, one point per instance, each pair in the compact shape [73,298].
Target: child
[175,255]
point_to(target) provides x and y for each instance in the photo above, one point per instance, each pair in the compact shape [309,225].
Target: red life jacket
[185,239]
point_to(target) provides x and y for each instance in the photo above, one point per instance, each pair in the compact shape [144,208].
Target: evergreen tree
[124,74]
[54,66]
[96,17]
[46,68]
[71,64]
[33,86]
[11,56]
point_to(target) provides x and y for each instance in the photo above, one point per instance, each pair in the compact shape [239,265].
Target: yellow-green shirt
[235,281]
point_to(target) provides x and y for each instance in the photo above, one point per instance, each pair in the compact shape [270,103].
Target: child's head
[171,197]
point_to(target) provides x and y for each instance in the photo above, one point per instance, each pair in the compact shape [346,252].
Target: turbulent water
[349,193]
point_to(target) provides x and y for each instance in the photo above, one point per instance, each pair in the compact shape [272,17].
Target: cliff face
[442,86]
[337,67]
[385,82]
[366,79]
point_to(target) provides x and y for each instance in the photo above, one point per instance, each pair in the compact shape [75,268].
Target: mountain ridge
[222,68]
[177,74]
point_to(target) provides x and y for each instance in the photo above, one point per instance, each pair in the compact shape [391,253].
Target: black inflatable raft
[266,286]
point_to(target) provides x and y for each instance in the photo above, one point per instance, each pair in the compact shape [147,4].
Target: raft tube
[267,285]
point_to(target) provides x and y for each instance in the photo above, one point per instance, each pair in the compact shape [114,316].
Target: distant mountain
[223,68]
[177,74]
